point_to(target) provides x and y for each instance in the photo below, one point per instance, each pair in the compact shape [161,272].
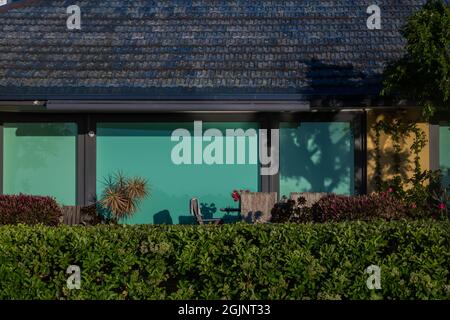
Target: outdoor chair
[194,207]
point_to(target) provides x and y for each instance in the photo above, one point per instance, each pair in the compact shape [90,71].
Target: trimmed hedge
[29,210]
[274,261]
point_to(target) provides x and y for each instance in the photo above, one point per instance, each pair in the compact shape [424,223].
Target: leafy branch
[422,75]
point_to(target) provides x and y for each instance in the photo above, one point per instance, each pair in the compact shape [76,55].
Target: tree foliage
[422,74]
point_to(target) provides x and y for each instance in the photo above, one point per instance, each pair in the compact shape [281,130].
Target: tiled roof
[137,48]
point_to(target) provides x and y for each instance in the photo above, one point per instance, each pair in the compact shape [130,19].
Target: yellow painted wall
[387,150]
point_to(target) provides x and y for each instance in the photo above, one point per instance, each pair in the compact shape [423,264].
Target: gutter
[177,106]
[200,105]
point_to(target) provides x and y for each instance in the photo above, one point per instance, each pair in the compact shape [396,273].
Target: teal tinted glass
[40,159]
[316,157]
[444,153]
[145,150]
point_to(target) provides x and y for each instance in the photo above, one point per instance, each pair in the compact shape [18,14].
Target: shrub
[383,205]
[29,210]
[91,217]
[442,203]
[288,210]
[239,261]
[426,197]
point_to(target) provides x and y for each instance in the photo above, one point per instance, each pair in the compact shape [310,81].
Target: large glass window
[145,149]
[40,159]
[316,157]
[444,152]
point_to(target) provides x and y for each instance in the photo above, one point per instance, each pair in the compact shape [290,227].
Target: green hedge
[320,261]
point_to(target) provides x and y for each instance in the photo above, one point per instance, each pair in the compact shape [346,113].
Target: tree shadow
[388,158]
[333,80]
[319,156]
[392,163]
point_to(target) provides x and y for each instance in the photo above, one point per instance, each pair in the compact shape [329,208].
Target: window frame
[438,120]
[47,118]
[435,139]
[357,120]
[87,123]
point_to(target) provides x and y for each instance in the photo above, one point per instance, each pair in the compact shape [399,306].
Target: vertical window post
[434,146]
[90,160]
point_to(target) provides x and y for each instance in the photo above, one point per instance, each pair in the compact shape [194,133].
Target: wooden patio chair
[194,207]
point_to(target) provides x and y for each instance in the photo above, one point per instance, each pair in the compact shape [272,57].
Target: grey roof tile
[198,47]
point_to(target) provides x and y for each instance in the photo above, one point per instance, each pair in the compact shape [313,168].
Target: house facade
[90,88]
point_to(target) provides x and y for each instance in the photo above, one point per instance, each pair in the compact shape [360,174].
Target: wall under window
[40,159]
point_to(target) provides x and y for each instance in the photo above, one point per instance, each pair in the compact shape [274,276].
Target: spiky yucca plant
[137,187]
[122,194]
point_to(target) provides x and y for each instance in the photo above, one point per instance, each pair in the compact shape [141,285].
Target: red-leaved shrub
[30,210]
[383,205]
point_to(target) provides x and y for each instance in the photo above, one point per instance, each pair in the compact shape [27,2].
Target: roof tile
[167,47]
